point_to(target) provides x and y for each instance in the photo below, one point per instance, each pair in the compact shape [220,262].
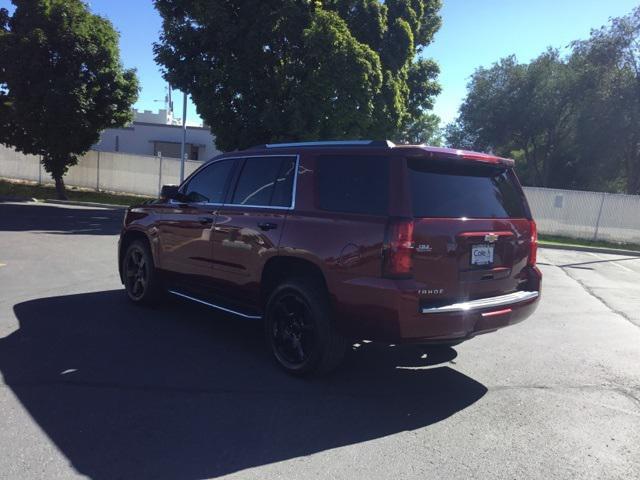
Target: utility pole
[184,136]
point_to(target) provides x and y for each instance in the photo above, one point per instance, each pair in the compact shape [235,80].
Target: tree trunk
[60,188]
[547,158]
[536,167]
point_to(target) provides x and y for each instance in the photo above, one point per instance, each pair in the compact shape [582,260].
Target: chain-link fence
[585,215]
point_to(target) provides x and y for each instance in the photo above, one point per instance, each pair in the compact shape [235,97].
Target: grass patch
[16,189]
[556,240]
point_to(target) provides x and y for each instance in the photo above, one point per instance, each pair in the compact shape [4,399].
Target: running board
[483,303]
[217,307]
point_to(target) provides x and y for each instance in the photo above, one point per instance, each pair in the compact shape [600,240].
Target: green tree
[423,130]
[570,122]
[457,135]
[61,81]
[609,121]
[269,70]
[520,107]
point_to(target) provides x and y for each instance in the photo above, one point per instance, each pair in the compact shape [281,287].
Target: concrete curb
[581,248]
[17,199]
[83,204]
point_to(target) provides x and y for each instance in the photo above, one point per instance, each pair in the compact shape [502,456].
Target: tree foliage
[425,129]
[572,121]
[609,120]
[268,70]
[61,81]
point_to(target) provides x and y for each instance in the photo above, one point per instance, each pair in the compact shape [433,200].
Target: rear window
[353,184]
[265,181]
[450,190]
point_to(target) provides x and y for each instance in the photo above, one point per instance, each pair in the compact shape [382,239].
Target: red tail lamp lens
[533,254]
[399,247]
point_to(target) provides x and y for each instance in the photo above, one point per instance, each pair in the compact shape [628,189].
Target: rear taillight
[397,259]
[533,252]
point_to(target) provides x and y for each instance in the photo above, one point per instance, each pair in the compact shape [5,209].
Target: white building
[154,133]
[163,116]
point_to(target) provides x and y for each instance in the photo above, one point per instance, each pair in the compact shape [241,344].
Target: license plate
[482,254]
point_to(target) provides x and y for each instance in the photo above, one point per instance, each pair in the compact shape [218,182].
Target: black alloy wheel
[140,277]
[292,330]
[300,328]
[136,272]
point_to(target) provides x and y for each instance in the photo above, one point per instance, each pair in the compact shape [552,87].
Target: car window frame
[241,160]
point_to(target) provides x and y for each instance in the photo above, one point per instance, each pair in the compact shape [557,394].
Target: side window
[209,184]
[353,184]
[283,190]
[265,181]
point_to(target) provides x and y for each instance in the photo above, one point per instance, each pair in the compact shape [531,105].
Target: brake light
[398,249]
[533,253]
[483,157]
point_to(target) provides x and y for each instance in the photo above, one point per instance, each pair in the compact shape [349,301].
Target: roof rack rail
[331,143]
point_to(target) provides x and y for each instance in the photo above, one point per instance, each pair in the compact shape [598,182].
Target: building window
[193,155]
[173,149]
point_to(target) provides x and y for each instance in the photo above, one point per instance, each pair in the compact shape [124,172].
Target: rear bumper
[390,311]
[504,301]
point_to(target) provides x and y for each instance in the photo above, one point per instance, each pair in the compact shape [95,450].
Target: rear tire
[141,279]
[300,330]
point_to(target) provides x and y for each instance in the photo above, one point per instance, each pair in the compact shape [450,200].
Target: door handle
[205,220]
[267,226]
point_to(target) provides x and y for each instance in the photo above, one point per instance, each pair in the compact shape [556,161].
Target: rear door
[248,227]
[472,230]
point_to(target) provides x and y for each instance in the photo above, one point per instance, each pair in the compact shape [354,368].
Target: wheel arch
[127,239]
[279,268]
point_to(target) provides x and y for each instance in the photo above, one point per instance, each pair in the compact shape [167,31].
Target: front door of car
[186,226]
[249,226]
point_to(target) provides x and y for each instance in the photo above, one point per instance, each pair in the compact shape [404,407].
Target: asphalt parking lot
[91,386]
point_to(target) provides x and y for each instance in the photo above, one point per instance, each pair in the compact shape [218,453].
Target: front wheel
[141,280]
[300,330]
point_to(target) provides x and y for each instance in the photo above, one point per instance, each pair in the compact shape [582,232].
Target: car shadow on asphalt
[179,392]
[54,219]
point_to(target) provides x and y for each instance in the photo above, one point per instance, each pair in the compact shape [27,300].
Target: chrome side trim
[329,143]
[268,207]
[482,303]
[294,191]
[217,307]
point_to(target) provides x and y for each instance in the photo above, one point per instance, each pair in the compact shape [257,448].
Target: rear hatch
[472,230]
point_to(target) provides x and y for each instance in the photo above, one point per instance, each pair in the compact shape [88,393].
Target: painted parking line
[612,262]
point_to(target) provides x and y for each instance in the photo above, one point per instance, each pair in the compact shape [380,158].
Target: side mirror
[170,192]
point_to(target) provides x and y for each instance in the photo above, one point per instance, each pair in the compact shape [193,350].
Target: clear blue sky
[478,32]
[474,33]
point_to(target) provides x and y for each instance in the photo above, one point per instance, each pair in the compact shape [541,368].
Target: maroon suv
[332,242]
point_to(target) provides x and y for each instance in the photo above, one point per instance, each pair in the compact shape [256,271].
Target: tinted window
[265,181]
[354,184]
[473,191]
[209,184]
[283,189]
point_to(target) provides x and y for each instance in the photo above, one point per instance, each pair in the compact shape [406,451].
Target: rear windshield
[446,190]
